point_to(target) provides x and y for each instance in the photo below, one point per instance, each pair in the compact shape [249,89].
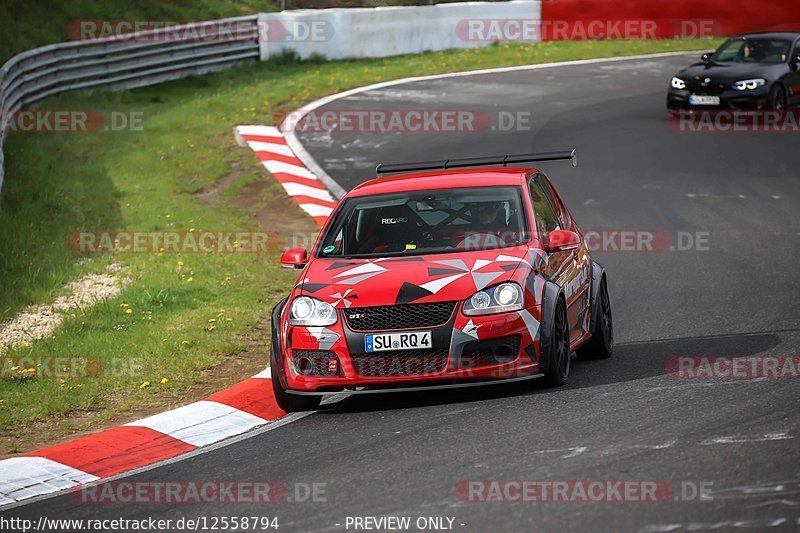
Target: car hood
[729,73]
[348,283]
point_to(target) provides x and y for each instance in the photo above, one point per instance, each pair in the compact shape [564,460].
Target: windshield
[753,51]
[424,222]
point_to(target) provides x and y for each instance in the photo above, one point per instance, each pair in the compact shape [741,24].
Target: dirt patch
[39,322]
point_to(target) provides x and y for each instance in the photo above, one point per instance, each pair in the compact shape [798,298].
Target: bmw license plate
[697,99]
[407,340]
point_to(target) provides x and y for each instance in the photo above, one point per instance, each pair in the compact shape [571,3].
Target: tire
[601,344]
[289,402]
[557,349]
[776,101]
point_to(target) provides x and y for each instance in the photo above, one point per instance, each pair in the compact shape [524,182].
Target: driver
[491,216]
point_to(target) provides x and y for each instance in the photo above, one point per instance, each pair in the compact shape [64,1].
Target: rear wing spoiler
[503,160]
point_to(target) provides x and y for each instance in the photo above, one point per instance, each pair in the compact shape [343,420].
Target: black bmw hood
[730,72]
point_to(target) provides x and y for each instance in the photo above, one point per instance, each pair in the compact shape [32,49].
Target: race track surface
[618,419]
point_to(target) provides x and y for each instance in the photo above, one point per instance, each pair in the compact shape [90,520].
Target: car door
[578,286]
[792,82]
[561,265]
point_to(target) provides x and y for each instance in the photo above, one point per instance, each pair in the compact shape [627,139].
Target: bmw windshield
[426,222]
[759,50]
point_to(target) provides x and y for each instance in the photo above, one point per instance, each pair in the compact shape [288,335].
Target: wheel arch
[551,295]
[276,358]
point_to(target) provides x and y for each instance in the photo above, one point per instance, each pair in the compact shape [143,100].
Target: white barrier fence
[154,56]
[388,31]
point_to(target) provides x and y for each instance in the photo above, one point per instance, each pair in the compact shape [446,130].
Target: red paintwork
[378,282]
[660,19]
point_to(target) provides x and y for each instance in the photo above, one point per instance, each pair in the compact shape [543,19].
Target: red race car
[449,276]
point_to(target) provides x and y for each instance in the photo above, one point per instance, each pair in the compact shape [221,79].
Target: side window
[546,217]
[555,201]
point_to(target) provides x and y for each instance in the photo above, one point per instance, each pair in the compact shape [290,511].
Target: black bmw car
[751,71]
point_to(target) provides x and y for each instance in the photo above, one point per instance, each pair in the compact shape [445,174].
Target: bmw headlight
[306,311]
[749,85]
[498,299]
[678,83]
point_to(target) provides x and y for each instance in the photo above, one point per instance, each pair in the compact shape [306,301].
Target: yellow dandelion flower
[164,381]
[128,311]
[212,320]
[180,263]
[144,385]
[191,230]
[191,279]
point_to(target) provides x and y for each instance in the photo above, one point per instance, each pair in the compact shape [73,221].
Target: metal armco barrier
[123,62]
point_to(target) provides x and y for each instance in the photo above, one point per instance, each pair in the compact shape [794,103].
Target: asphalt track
[619,419]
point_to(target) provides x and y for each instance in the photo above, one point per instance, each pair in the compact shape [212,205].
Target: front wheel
[289,402]
[601,345]
[776,100]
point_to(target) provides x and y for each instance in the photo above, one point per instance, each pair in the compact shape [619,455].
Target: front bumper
[730,99]
[465,349]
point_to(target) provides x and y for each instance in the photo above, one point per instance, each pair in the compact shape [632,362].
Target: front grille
[404,316]
[712,89]
[315,362]
[400,363]
[482,353]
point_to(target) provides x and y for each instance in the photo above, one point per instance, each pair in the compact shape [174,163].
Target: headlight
[678,83]
[747,85]
[307,311]
[498,299]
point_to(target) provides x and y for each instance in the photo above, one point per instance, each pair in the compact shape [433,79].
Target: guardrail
[126,61]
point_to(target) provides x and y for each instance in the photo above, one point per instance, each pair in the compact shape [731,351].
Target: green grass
[147,180]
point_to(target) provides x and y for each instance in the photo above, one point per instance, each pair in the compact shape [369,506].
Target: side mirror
[294,258]
[705,57]
[562,239]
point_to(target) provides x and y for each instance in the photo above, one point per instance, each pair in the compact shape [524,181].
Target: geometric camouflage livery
[354,284]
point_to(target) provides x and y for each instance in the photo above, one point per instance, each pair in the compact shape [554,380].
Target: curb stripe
[254,396]
[291,178]
[26,477]
[265,156]
[139,444]
[279,159]
[116,450]
[201,423]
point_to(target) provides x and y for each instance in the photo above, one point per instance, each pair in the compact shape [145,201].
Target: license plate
[696,99]
[407,340]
